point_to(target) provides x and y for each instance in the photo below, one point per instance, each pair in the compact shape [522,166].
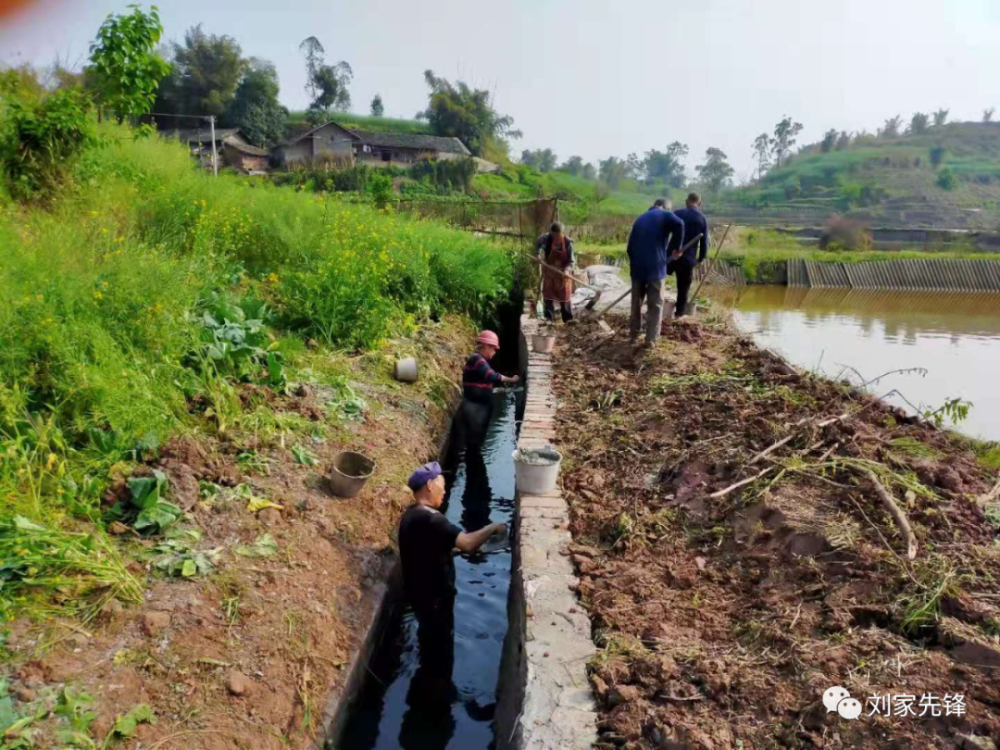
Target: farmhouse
[306,143]
[231,148]
[405,149]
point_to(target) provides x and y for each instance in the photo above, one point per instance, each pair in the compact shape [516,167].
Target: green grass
[367,122]
[104,343]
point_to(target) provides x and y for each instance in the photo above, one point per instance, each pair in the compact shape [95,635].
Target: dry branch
[730,488]
[897,514]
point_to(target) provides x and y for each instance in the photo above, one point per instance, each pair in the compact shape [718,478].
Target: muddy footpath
[770,559]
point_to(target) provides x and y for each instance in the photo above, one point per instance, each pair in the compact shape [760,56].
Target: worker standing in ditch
[654,235]
[555,249]
[478,382]
[683,264]
[427,541]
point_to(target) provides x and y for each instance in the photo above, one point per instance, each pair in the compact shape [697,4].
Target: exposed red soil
[248,656]
[722,621]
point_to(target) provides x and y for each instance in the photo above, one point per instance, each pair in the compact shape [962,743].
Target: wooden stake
[897,514]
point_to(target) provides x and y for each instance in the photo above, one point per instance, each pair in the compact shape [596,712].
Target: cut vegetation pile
[748,536]
[181,359]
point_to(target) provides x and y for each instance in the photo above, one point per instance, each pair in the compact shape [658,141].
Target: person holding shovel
[683,263]
[555,249]
[654,234]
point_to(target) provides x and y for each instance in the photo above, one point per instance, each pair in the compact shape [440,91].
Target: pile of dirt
[249,655]
[725,608]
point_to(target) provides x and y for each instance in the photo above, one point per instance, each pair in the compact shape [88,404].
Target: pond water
[955,337]
[447,700]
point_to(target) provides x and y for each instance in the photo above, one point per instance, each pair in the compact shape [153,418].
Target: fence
[517,219]
[915,275]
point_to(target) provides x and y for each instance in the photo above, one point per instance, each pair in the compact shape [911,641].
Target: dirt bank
[723,620]
[245,656]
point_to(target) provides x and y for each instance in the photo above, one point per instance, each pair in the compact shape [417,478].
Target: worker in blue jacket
[683,264]
[655,234]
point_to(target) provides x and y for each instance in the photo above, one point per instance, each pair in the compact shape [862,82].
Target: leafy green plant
[232,344]
[954,409]
[946,179]
[146,509]
[263,546]
[72,705]
[303,456]
[125,725]
[176,558]
[380,189]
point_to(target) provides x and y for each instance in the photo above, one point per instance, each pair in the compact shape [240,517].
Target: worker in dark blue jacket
[655,234]
[683,264]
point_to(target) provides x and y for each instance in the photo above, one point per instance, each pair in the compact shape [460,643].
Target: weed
[252,462]
[615,646]
[303,456]
[921,602]
[909,446]
[85,571]
[176,558]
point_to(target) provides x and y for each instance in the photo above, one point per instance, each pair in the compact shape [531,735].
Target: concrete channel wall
[545,697]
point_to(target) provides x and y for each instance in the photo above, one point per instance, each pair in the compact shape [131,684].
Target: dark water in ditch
[954,337]
[392,711]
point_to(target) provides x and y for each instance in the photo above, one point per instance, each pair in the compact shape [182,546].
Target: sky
[596,78]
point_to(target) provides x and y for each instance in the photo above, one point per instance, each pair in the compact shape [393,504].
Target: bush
[40,139]
[841,233]
[380,189]
[946,179]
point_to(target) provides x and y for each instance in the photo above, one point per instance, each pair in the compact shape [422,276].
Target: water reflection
[432,685]
[956,337]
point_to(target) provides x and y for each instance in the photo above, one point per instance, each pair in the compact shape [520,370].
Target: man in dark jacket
[684,264]
[653,235]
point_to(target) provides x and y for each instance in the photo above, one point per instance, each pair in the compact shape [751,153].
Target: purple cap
[423,475]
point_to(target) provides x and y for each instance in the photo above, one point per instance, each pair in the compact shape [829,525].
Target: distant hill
[886,181]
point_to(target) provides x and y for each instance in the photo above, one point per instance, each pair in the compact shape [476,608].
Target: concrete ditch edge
[551,642]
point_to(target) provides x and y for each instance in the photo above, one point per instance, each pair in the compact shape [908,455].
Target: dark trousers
[428,723]
[566,308]
[684,276]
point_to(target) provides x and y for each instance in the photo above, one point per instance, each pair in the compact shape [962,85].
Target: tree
[634,167]
[919,123]
[123,61]
[612,171]
[206,71]
[891,127]
[843,141]
[715,172]
[544,160]
[589,171]
[988,115]
[829,141]
[785,133]
[666,166]
[458,111]
[941,117]
[377,108]
[573,166]
[762,153]
[255,108]
[325,84]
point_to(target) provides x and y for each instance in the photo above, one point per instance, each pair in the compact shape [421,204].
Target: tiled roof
[414,141]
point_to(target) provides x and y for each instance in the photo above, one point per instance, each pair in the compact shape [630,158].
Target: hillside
[891,182]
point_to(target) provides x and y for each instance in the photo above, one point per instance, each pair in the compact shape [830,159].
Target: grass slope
[369,123]
[138,304]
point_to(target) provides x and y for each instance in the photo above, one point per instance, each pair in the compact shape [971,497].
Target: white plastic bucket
[406,370]
[542,344]
[538,474]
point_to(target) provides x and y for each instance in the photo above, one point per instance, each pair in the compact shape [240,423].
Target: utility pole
[215,156]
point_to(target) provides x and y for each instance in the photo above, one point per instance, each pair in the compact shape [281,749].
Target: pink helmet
[489,338]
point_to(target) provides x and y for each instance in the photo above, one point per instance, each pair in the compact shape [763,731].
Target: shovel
[590,302]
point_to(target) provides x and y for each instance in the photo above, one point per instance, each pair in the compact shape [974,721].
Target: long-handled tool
[601,314]
[597,292]
[711,265]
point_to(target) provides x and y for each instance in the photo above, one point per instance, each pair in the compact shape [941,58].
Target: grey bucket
[349,473]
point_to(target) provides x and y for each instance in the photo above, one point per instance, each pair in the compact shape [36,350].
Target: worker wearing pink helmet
[478,382]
